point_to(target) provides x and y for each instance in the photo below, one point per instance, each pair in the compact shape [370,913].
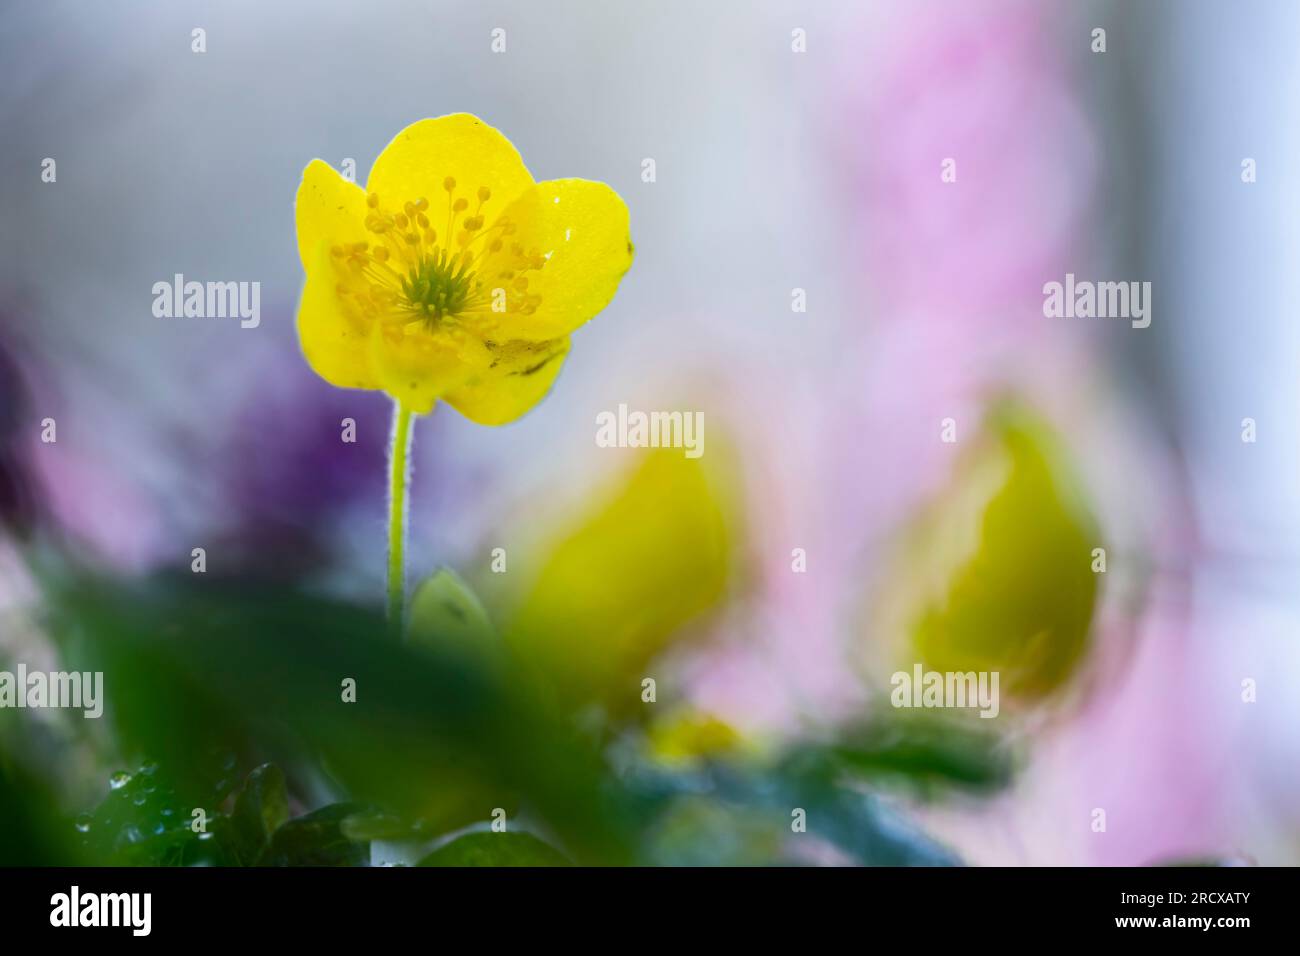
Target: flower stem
[397,484]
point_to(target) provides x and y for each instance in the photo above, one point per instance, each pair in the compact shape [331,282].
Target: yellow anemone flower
[453,275]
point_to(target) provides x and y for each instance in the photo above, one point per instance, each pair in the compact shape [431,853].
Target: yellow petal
[518,377]
[417,368]
[582,230]
[333,337]
[421,157]
[328,209]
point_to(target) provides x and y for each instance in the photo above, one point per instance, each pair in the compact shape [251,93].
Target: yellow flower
[453,275]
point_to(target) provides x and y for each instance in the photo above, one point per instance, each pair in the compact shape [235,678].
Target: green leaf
[261,808]
[318,839]
[496,849]
[368,826]
[145,821]
[924,750]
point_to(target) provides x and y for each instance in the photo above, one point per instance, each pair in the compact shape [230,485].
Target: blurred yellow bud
[685,736]
[999,574]
[627,578]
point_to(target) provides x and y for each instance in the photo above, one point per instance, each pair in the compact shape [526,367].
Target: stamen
[434,284]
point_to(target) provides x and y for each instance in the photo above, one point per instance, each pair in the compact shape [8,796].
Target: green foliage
[925,751]
[433,736]
[496,849]
[261,808]
[318,839]
[31,833]
[143,821]
[236,696]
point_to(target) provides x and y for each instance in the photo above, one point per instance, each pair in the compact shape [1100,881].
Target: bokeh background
[775,170]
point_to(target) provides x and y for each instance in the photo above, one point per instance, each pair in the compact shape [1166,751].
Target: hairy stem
[398,479]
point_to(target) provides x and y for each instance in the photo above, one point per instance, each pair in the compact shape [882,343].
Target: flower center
[411,274]
[436,288]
